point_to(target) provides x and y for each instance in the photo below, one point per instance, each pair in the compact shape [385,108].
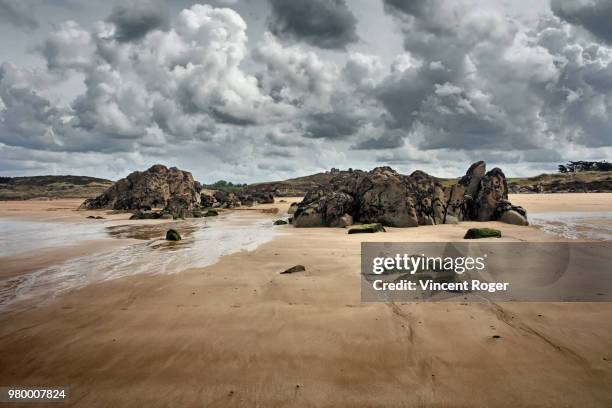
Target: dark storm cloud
[389,140]
[323,23]
[135,18]
[593,15]
[230,119]
[415,8]
[284,139]
[18,14]
[331,125]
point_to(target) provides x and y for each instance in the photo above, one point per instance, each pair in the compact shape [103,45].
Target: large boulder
[323,208]
[493,189]
[384,196]
[379,196]
[157,187]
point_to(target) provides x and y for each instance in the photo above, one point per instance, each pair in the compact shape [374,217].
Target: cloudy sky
[269,89]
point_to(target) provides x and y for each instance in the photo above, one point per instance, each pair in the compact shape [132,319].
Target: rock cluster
[384,196]
[172,189]
[224,199]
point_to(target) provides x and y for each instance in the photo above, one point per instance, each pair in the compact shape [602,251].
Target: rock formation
[392,199]
[172,189]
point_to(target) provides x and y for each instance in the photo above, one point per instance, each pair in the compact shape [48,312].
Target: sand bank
[570,202]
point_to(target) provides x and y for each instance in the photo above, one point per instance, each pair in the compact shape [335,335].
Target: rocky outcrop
[172,189]
[384,196]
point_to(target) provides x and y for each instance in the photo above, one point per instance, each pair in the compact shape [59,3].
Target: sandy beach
[237,333]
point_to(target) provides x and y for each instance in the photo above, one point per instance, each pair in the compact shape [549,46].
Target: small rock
[477,233]
[280,222]
[513,217]
[145,215]
[366,228]
[296,268]
[173,235]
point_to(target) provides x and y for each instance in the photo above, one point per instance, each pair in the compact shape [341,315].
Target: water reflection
[575,225]
[204,242]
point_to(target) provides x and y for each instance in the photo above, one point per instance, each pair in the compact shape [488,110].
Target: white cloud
[295,74]
[364,71]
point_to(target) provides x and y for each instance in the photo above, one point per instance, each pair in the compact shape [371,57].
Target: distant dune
[26,188]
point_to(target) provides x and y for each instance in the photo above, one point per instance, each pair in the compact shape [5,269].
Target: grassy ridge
[564,182]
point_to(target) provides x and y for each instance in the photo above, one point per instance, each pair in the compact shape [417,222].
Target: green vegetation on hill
[226,186]
[25,188]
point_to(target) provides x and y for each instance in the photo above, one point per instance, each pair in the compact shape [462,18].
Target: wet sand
[237,333]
